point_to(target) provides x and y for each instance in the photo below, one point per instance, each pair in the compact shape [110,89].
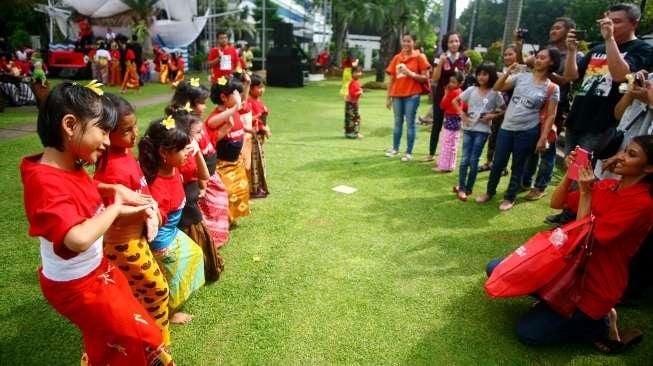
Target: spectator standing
[600,72]
[223,59]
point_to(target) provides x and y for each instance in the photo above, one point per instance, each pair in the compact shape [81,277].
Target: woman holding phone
[522,132]
[623,216]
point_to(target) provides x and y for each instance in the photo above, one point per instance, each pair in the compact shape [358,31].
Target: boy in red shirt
[223,60]
[352,117]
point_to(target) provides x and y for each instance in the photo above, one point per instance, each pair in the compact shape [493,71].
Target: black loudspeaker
[283,35]
[284,67]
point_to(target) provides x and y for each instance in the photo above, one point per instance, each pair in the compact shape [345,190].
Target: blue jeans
[473,142]
[547,161]
[519,144]
[405,107]
[542,326]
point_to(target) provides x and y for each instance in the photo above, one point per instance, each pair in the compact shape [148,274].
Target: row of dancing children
[133,243]
[169,66]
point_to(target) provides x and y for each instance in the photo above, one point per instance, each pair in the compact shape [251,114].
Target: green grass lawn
[392,274]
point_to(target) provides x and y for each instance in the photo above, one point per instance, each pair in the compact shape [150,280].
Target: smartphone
[581,159]
[581,35]
[639,80]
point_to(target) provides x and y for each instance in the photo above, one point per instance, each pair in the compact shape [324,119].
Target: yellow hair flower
[222,80]
[195,82]
[188,108]
[95,86]
[168,122]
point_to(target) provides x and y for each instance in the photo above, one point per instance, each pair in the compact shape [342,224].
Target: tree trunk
[339,37]
[388,49]
[513,17]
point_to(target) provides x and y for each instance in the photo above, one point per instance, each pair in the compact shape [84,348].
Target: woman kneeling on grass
[623,211]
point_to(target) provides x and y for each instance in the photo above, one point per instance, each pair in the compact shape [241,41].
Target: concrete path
[26,128]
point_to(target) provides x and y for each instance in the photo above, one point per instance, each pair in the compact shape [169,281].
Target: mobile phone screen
[582,159]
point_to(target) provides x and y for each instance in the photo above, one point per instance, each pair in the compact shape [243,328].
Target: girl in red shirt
[193,171]
[352,117]
[65,210]
[162,151]
[226,132]
[452,123]
[130,79]
[214,202]
[126,241]
[623,211]
[258,186]
[115,76]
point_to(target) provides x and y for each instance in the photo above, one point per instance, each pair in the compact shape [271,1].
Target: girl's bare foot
[180,318]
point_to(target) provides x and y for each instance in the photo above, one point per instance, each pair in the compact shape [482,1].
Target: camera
[522,33]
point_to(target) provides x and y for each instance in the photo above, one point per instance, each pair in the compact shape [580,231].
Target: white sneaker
[407,157]
[391,153]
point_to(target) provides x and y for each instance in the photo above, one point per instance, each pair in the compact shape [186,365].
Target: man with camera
[600,72]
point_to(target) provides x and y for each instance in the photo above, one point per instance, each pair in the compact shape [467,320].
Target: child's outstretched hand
[466,120]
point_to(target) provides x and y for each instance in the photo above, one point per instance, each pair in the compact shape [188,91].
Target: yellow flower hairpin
[168,122]
[195,82]
[222,80]
[95,86]
[187,108]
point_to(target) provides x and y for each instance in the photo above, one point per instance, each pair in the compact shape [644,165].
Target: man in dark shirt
[600,72]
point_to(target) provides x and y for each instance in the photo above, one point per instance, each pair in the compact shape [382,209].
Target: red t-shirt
[235,133]
[130,55]
[404,86]
[115,55]
[56,201]
[623,219]
[446,103]
[259,112]
[355,91]
[168,193]
[205,143]
[188,171]
[122,168]
[228,62]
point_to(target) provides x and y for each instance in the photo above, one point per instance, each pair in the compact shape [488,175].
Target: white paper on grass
[344,189]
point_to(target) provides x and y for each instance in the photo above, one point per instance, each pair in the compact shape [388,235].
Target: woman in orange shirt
[408,72]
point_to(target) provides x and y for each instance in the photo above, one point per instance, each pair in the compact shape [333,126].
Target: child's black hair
[159,136]
[458,75]
[357,68]
[256,80]
[80,101]
[226,89]
[491,69]
[122,105]
[555,56]
[186,93]
[185,119]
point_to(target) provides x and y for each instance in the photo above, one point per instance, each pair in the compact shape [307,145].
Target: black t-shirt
[593,107]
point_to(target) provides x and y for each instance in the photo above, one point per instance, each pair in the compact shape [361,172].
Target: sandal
[629,338]
[484,168]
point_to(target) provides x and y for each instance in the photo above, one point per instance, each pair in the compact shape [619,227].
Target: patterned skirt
[235,179]
[215,210]
[148,285]
[115,327]
[115,75]
[213,261]
[182,264]
[352,120]
[258,187]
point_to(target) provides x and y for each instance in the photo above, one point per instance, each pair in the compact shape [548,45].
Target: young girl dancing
[126,241]
[65,211]
[452,122]
[163,149]
[226,132]
[258,186]
[215,202]
[193,171]
[484,106]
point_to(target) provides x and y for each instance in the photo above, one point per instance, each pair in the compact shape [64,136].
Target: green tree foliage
[474,57]
[538,15]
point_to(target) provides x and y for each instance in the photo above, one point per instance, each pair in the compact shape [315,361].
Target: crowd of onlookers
[521,112]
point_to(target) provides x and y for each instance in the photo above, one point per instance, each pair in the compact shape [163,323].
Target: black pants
[438,117]
[641,269]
